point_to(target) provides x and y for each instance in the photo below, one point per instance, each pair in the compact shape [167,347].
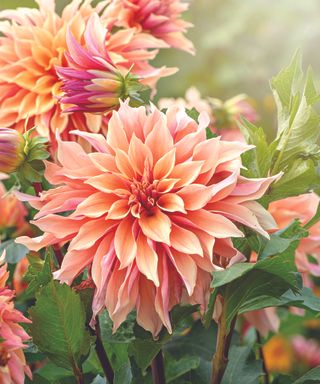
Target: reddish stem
[37,188]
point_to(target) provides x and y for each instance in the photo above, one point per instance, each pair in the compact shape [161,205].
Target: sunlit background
[240,46]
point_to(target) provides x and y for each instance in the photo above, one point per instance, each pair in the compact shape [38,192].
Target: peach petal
[125,243]
[147,259]
[156,225]
[171,202]
[185,241]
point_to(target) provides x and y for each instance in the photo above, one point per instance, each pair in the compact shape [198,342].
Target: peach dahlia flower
[33,43]
[150,213]
[13,366]
[301,207]
[160,18]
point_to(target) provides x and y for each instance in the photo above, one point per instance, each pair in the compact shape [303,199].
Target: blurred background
[240,46]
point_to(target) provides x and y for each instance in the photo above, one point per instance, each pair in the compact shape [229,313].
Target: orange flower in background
[301,207]
[33,43]
[278,355]
[151,213]
[13,366]
[160,18]
[13,214]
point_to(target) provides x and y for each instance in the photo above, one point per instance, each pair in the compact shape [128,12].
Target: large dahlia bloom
[13,366]
[160,18]
[301,207]
[33,43]
[150,213]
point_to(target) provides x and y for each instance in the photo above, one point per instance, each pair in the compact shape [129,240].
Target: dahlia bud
[11,150]
[92,82]
[228,113]
[97,91]
[22,154]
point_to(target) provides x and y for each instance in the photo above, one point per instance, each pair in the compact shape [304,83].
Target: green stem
[220,358]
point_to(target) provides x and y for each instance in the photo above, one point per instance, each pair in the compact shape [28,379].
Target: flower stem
[37,188]
[102,355]
[266,379]
[157,369]
[220,358]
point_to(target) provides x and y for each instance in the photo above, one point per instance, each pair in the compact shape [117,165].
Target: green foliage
[312,376]
[58,325]
[242,367]
[294,150]
[39,273]
[14,252]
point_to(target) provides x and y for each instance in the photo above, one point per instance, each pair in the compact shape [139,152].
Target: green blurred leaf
[14,251]
[242,367]
[177,368]
[58,325]
[312,376]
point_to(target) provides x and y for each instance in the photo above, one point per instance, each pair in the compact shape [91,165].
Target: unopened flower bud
[11,150]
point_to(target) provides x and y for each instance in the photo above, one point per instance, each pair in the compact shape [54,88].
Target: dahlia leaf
[314,219]
[312,376]
[58,325]
[39,274]
[176,368]
[283,239]
[298,121]
[14,251]
[242,367]
[299,179]
[257,160]
[253,285]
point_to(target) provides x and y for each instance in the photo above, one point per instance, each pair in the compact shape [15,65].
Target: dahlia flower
[301,207]
[150,213]
[11,150]
[13,365]
[160,18]
[264,320]
[33,42]
[91,81]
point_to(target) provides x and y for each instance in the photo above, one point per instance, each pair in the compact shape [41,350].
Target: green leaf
[298,121]
[257,160]
[314,219]
[14,251]
[242,367]
[123,375]
[312,376]
[244,288]
[39,273]
[301,177]
[58,325]
[283,240]
[177,368]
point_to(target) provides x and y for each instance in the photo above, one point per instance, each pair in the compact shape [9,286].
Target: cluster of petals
[13,367]
[151,213]
[33,43]
[301,207]
[224,115]
[160,18]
